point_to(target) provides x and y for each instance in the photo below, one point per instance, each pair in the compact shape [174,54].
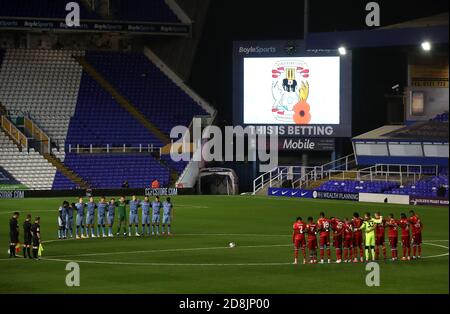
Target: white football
[232,245]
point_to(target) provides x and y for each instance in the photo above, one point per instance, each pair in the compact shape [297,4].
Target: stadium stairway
[27,167]
[66,171]
[125,103]
[41,84]
[129,107]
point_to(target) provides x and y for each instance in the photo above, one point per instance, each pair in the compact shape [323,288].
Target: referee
[27,237]
[36,236]
[13,234]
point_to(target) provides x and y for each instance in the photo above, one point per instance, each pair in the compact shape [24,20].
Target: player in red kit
[348,240]
[357,238]
[379,237]
[323,226]
[406,239]
[298,238]
[338,233]
[311,230]
[392,225]
[416,230]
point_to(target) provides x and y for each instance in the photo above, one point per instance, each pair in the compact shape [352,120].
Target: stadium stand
[61,182]
[41,9]
[177,166]
[145,11]
[30,168]
[425,187]
[6,178]
[100,120]
[350,186]
[44,84]
[149,90]
[428,187]
[110,170]
[74,109]
[442,117]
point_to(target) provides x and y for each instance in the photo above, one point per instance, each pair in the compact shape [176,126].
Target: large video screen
[285,87]
[291,90]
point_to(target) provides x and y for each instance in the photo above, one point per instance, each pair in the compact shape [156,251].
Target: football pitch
[197,259]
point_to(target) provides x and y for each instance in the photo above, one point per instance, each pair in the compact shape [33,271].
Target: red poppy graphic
[301,113]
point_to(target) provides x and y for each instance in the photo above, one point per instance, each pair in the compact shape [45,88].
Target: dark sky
[230,20]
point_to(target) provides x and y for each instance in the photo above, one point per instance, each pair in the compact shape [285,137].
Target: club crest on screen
[290,90]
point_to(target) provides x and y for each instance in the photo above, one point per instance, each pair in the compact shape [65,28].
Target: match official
[13,234]
[27,237]
[36,234]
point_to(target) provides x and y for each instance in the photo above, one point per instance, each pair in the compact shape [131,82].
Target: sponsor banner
[12,194]
[306,144]
[384,198]
[96,26]
[287,192]
[414,200]
[161,192]
[335,195]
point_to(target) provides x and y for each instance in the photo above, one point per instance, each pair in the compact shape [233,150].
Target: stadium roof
[378,134]
[424,131]
[433,28]
[429,21]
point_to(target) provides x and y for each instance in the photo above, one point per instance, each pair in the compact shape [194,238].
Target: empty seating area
[111,170]
[29,168]
[178,166]
[149,90]
[351,186]
[100,120]
[144,11]
[51,88]
[428,187]
[61,182]
[42,84]
[442,117]
[41,9]
[6,178]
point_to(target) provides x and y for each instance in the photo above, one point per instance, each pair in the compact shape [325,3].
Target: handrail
[320,172]
[277,175]
[307,173]
[14,132]
[92,149]
[38,134]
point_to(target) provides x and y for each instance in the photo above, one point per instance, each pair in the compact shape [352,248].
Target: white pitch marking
[165,264]
[169,250]
[186,234]
[210,248]
[198,264]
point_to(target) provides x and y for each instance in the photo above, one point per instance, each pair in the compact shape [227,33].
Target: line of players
[106,212]
[348,237]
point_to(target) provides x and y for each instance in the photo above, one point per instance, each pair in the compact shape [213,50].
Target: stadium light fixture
[426,46]
[342,51]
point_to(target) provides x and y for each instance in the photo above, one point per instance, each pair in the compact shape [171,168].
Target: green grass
[203,227]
